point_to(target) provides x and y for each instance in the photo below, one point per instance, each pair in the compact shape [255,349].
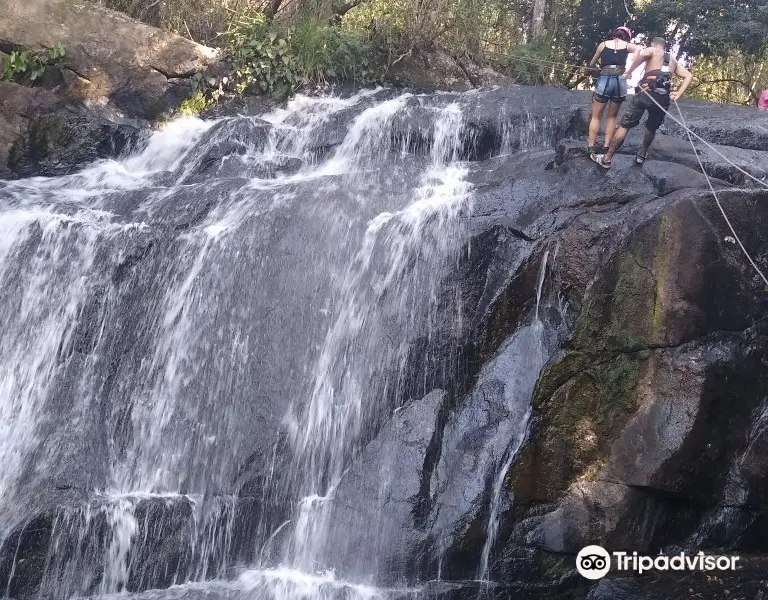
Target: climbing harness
[660,83]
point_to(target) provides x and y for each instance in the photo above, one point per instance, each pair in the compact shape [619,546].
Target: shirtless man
[655,85]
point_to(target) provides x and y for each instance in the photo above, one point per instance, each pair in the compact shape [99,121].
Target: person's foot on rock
[600,160]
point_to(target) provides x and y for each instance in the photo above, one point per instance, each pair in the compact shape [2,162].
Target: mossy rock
[576,423]
[585,397]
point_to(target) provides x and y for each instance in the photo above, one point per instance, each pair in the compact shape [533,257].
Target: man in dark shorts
[654,95]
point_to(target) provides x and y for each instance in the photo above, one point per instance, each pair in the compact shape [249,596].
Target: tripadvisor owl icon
[593,562]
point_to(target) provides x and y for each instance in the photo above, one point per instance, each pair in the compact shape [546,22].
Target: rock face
[504,354]
[117,74]
[642,421]
[137,69]
[436,69]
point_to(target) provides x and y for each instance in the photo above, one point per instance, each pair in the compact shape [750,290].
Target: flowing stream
[198,340]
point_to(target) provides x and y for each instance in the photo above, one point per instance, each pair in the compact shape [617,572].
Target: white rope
[714,193]
[701,139]
[682,124]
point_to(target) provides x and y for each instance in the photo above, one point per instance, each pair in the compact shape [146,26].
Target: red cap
[626,30]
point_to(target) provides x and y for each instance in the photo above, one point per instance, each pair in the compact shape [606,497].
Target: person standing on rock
[762,102]
[611,88]
[654,95]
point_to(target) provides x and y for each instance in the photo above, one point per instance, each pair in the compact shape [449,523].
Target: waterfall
[343,399]
[198,340]
[532,345]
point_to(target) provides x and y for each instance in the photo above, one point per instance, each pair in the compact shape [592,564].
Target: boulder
[117,74]
[133,68]
[17,105]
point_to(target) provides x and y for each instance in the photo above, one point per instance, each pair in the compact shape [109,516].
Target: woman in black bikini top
[611,88]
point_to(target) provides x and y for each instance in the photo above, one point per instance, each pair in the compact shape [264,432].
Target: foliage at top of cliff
[279,61]
[724,41]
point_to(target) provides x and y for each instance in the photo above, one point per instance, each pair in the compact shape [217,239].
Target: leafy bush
[28,66]
[530,64]
[261,56]
[195,104]
[281,60]
[325,52]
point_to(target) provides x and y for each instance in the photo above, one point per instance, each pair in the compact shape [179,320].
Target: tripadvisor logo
[594,562]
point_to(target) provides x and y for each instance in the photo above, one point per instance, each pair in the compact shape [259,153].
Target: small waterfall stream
[532,346]
[197,341]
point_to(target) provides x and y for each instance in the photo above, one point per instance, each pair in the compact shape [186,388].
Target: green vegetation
[324,52]
[262,57]
[195,104]
[28,66]
[725,42]
[279,46]
[534,64]
[280,60]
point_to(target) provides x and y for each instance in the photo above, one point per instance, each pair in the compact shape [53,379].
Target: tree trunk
[539,9]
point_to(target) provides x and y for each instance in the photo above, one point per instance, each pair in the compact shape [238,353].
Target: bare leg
[594,124]
[616,143]
[610,123]
[648,138]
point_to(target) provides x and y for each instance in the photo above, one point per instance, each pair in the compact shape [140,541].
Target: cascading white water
[532,346]
[344,398]
[141,300]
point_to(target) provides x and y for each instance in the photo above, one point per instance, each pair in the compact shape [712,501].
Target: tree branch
[701,82]
[342,8]
[271,10]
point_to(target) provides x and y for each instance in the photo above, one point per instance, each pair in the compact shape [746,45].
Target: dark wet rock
[59,143]
[386,494]
[671,149]
[222,153]
[737,126]
[23,555]
[663,316]
[13,127]
[64,550]
[615,589]
[743,127]
[631,419]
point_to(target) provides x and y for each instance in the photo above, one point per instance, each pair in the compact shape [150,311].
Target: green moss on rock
[584,399]
[577,423]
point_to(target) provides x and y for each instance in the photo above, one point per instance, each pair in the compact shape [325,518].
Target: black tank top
[613,58]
